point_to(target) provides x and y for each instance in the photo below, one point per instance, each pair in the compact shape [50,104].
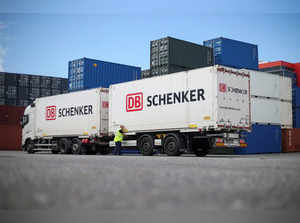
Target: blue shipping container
[234,53]
[88,73]
[296,96]
[296,117]
[262,139]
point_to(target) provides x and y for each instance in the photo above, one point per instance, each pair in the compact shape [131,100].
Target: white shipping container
[210,97]
[265,111]
[271,111]
[82,113]
[269,85]
[286,114]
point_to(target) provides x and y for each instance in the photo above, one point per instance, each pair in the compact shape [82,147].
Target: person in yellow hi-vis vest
[119,135]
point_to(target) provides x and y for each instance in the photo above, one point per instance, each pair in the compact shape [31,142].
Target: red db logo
[50,112]
[222,87]
[134,102]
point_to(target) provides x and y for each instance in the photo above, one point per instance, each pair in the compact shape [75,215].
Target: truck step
[44,145]
[41,149]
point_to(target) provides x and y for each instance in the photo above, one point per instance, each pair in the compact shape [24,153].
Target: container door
[233,98]
[104,111]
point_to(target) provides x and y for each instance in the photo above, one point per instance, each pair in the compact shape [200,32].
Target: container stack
[22,89]
[285,69]
[88,73]
[233,53]
[170,55]
[271,111]
[16,92]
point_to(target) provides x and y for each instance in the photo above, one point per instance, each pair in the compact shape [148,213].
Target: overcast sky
[41,36]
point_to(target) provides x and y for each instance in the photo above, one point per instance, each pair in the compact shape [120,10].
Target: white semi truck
[68,123]
[191,111]
[186,112]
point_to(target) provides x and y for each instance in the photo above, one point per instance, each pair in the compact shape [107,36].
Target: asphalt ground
[43,181]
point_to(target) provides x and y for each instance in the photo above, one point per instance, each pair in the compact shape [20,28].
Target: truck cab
[28,126]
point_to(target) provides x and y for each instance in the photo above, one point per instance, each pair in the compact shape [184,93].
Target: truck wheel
[172,144]
[104,150]
[64,146]
[29,146]
[76,146]
[200,147]
[146,145]
[201,152]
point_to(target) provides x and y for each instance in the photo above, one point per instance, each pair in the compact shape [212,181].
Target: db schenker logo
[222,87]
[50,112]
[134,102]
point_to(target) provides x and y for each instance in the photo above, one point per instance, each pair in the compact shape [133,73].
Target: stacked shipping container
[16,92]
[170,55]
[10,117]
[88,73]
[22,89]
[271,110]
[234,53]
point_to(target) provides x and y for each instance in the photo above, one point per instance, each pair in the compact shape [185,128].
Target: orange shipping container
[290,140]
[10,137]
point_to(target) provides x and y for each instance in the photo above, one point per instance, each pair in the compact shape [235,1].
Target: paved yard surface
[130,182]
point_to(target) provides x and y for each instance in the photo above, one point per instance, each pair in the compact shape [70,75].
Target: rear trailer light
[219,142]
[243,143]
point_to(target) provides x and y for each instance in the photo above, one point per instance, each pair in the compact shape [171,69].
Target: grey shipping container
[146,73]
[23,92]
[2,92]
[11,92]
[10,101]
[45,92]
[45,82]
[2,79]
[35,82]
[23,102]
[10,79]
[34,93]
[23,81]
[169,55]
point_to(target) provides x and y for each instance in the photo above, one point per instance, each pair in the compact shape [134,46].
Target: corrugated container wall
[234,53]
[170,55]
[290,140]
[262,139]
[89,73]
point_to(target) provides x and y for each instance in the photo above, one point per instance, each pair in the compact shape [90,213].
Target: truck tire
[104,150]
[76,146]
[64,146]
[172,144]
[146,145]
[201,153]
[200,147]
[29,146]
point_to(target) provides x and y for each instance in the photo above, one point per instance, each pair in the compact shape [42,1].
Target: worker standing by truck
[119,135]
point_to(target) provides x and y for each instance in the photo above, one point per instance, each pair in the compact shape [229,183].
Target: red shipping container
[290,140]
[11,115]
[10,137]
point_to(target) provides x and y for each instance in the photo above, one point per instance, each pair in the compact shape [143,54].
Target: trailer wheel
[172,144]
[146,145]
[200,147]
[202,152]
[64,146]
[76,146]
[29,146]
[104,150]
